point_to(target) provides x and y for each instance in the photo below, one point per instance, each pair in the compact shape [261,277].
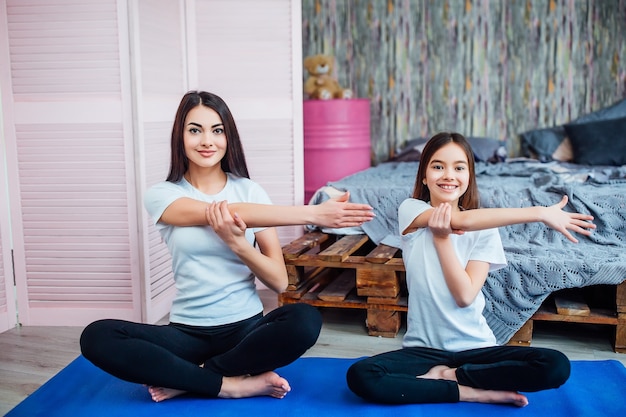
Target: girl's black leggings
[392,377]
[171,356]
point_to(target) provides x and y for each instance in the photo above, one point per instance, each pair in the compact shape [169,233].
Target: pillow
[548,144]
[488,149]
[485,150]
[411,151]
[564,153]
[614,111]
[541,143]
[599,142]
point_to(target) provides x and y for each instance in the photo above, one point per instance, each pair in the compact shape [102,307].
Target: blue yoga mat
[595,389]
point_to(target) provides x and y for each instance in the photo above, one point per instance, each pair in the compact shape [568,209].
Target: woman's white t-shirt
[434,318]
[213,286]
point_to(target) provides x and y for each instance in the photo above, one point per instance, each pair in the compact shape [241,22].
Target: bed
[540,260]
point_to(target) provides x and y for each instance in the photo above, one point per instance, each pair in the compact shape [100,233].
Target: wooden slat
[571,304]
[352,261]
[344,247]
[620,333]
[620,297]
[524,335]
[375,283]
[381,254]
[339,288]
[303,244]
[294,276]
[383,323]
[315,278]
[596,316]
[399,301]
[351,301]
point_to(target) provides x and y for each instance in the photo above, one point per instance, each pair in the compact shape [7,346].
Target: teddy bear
[320,83]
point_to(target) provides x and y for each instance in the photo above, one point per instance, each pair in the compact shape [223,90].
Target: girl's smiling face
[447,175]
[204,138]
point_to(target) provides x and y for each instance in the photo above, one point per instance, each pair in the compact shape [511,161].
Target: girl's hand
[338,212]
[230,228]
[563,221]
[439,221]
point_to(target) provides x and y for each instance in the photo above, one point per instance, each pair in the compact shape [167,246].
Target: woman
[212,218]
[449,352]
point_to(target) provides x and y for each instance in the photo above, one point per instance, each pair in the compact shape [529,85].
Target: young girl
[449,353]
[211,216]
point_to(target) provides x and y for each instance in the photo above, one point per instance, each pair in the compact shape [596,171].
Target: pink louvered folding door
[70,161]
[8,317]
[89,90]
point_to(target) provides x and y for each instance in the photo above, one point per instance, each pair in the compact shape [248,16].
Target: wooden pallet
[327,270]
[568,306]
[347,272]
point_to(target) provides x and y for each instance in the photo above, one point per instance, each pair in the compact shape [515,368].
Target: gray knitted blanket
[540,260]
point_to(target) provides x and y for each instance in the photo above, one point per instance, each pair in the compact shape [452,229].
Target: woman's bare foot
[160,394]
[491,397]
[268,383]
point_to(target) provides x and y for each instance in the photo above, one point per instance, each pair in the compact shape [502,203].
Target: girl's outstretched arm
[552,216]
[488,218]
[336,212]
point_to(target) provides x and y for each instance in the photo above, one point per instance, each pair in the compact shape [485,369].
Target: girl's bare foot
[160,394]
[440,372]
[268,383]
[475,394]
[491,397]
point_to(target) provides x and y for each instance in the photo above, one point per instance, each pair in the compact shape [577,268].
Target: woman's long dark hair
[234,160]
[470,199]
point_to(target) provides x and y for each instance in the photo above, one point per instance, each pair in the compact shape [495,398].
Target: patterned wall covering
[488,68]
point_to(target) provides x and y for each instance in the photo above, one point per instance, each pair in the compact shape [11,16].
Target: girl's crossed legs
[423,375]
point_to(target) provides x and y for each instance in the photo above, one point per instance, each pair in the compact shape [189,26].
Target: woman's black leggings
[170,355]
[392,377]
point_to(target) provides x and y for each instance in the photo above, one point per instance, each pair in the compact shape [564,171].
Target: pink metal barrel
[336,141]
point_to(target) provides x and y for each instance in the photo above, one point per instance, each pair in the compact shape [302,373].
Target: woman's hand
[563,221]
[230,228]
[338,212]
[267,263]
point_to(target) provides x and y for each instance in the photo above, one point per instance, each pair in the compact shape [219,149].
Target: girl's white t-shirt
[434,318]
[213,286]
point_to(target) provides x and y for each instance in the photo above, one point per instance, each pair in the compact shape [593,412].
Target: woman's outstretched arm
[336,212]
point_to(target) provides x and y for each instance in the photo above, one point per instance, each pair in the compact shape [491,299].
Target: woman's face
[447,175]
[204,137]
